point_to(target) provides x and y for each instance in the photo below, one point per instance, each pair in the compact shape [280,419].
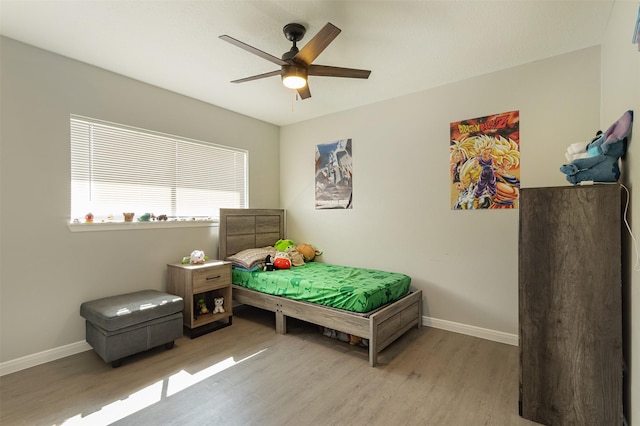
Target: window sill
[128,226]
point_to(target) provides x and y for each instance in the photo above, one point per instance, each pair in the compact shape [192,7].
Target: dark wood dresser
[570,305]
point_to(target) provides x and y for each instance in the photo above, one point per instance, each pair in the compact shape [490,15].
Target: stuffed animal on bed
[283,245]
[281,261]
[308,251]
[268,263]
[603,152]
[295,256]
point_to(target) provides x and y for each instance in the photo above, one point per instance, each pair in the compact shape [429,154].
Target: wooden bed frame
[251,228]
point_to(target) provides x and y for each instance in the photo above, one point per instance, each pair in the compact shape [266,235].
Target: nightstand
[205,282]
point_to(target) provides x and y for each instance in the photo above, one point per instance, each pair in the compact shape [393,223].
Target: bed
[242,229]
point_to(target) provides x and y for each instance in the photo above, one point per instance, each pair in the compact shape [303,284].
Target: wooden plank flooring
[247,374]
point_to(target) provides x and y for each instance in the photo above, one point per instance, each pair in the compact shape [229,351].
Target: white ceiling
[408,45]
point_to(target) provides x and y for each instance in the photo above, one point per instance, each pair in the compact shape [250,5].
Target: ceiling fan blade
[253,50]
[304,92]
[317,44]
[328,71]
[257,77]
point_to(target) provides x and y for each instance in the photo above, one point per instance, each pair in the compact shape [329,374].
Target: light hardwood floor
[247,374]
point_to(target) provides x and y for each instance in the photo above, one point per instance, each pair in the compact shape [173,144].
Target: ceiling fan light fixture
[294,77]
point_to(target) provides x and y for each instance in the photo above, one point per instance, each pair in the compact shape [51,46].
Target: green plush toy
[283,245]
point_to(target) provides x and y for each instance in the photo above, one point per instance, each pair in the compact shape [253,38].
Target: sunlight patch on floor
[120,409]
[152,394]
[183,380]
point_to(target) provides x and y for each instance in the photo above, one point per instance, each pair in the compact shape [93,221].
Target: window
[117,169]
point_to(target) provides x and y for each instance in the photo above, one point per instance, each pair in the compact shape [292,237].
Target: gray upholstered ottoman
[123,325]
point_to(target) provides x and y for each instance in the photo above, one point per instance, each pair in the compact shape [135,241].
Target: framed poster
[484,162]
[334,175]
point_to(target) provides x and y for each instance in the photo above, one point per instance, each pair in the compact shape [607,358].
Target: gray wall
[466,262]
[46,271]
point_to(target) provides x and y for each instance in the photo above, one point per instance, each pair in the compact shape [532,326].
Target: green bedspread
[352,289]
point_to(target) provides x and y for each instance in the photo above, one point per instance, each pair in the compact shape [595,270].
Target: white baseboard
[471,330]
[43,357]
[74,348]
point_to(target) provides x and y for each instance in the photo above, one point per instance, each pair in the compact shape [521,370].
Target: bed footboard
[393,321]
[381,327]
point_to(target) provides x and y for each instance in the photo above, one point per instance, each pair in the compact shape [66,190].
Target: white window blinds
[116,169]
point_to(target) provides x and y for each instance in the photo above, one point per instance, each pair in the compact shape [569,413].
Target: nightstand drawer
[210,278]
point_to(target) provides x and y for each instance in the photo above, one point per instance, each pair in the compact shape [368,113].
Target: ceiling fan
[296,65]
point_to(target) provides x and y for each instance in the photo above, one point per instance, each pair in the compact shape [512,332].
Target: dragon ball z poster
[334,175]
[484,162]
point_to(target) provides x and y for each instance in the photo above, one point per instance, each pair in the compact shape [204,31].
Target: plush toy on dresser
[598,161]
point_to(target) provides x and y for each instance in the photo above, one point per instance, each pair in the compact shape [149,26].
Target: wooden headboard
[241,229]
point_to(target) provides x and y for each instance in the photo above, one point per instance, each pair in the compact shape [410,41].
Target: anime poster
[334,174]
[484,162]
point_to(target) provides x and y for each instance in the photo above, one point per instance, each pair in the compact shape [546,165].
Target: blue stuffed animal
[601,162]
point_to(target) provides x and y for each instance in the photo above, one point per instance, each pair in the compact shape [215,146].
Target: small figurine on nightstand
[197,256]
[202,307]
[218,302]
